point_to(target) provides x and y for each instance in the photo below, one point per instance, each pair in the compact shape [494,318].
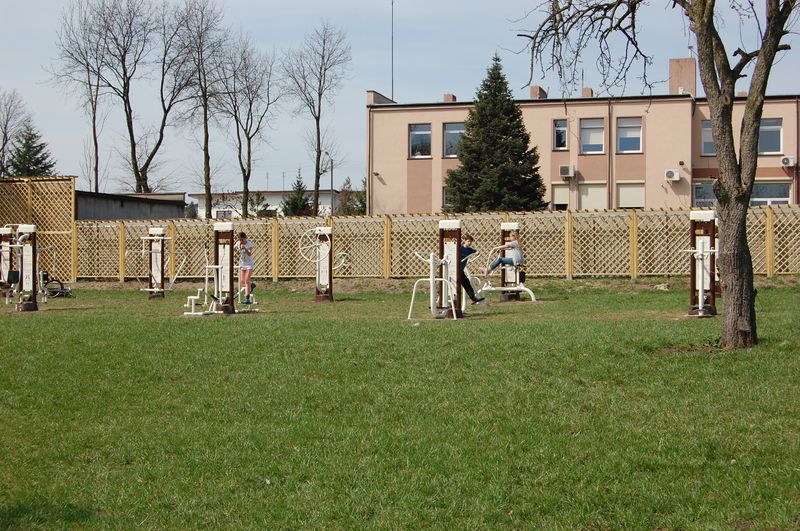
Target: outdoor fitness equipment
[154,246]
[27,285]
[6,239]
[703,281]
[512,280]
[444,278]
[316,246]
[221,273]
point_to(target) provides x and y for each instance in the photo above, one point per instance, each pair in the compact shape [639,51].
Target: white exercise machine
[27,285]
[512,279]
[218,298]
[444,274]
[703,278]
[316,247]
[154,247]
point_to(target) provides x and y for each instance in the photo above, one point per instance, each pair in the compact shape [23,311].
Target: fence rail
[571,243]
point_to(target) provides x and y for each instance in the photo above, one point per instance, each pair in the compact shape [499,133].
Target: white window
[707,140]
[560,197]
[593,197]
[703,195]
[770,194]
[452,137]
[769,136]
[224,214]
[629,135]
[630,195]
[592,133]
[559,134]
[419,141]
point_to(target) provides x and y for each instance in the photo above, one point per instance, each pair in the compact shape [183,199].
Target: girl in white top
[514,257]
[246,264]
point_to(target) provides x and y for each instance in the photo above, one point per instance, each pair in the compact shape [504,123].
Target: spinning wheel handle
[310,243]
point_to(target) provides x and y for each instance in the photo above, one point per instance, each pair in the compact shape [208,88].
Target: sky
[440,46]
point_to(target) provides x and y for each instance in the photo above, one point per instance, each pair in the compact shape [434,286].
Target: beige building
[594,153]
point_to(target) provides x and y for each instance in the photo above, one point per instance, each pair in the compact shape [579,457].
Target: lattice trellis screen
[14,205]
[137,252]
[290,262]
[362,239]
[787,238]
[542,236]
[259,231]
[485,228]
[756,238]
[98,249]
[661,236]
[601,243]
[193,243]
[410,234]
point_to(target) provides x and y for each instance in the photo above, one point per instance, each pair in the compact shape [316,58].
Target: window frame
[779,127]
[602,129]
[444,139]
[429,132]
[556,129]
[703,130]
[621,128]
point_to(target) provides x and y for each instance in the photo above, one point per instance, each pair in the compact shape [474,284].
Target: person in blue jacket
[466,250]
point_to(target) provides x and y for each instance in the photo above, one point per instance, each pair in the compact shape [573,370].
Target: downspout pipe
[610,161]
[797,150]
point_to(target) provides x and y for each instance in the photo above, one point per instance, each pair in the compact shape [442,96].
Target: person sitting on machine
[515,257]
[466,251]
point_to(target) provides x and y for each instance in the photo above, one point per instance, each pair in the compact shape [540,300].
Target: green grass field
[598,407]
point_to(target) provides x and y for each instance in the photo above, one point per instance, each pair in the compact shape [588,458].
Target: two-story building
[594,153]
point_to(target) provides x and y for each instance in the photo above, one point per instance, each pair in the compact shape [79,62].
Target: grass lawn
[600,407]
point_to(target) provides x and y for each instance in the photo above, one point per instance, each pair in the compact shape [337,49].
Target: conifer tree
[297,203]
[29,155]
[499,170]
[350,201]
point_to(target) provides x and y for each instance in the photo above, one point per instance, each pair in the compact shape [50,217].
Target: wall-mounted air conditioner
[788,161]
[672,175]
[566,171]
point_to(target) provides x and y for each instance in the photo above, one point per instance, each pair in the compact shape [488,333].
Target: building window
[452,137]
[224,214]
[559,134]
[593,197]
[419,140]
[769,136]
[592,133]
[770,194]
[707,139]
[630,195]
[445,199]
[560,197]
[764,193]
[629,135]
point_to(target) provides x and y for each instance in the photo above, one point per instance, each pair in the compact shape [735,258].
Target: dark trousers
[465,283]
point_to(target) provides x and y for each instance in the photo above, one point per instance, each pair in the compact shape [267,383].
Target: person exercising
[246,264]
[515,257]
[466,250]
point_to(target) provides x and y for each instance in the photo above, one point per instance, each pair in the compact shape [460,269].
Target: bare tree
[250,91]
[204,39]
[567,29]
[13,117]
[314,73]
[80,63]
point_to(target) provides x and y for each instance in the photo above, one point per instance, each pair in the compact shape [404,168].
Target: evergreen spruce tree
[297,203]
[499,171]
[29,156]
[350,201]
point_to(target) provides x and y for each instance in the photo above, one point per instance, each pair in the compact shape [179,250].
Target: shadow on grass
[40,511]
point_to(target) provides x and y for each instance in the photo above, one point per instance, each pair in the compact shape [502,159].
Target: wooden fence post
[387,247]
[74,252]
[769,233]
[276,251]
[121,239]
[568,246]
[171,236]
[634,239]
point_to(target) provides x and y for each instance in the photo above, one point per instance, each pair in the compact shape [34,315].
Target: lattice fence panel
[601,243]
[757,238]
[52,204]
[485,228]
[410,234]
[362,239]
[55,254]
[13,202]
[787,239]
[137,251]
[259,231]
[290,262]
[98,249]
[661,238]
[543,239]
[193,242]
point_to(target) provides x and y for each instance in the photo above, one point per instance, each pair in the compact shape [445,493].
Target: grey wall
[108,206]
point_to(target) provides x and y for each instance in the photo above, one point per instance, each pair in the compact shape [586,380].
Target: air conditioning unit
[566,171]
[788,161]
[672,175]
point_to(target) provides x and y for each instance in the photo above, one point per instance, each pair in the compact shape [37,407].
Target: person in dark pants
[466,250]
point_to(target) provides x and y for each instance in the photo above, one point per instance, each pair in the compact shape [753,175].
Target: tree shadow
[40,511]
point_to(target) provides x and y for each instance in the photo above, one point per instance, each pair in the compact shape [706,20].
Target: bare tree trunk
[206,161]
[317,161]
